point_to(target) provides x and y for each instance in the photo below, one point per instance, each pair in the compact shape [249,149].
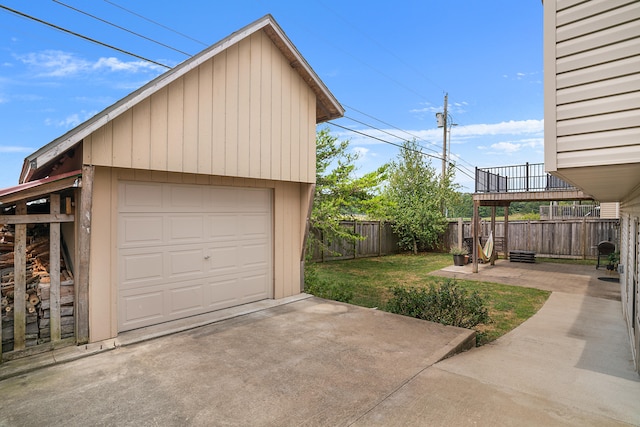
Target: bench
[522,256]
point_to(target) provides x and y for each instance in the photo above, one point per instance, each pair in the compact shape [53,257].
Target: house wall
[610,210]
[630,270]
[290,203]
[245,112]
[593,103]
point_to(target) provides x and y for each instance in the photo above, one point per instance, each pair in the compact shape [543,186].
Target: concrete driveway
[314,362]
[308,362]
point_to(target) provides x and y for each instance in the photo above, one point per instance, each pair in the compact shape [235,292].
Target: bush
[323,288]
[447,303]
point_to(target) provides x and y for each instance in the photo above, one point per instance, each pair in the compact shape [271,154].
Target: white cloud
[72,120]
[14,149]
[510,147]
[57,63]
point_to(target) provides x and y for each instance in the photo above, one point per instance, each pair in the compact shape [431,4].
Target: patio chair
[605,249]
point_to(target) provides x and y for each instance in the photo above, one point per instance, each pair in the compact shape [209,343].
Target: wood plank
[244,107]
[255,134]
[54,269]
[175,126]
[265,109]
[205,117]
[218,124]
[36,219]
[122,140]
[84,248]
[231,112]
[20,274]
[141,142]
[159,132]
[191,143]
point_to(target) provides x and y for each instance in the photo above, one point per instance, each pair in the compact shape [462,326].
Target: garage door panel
[254,255]
[223,293]
[138,230]
[254,226]
[224,259]
[223,226]
[141,309]
[186,300]
[145,267]
[185,262]
[186,198]
[223,199]
[185,228]
[254,200]
[140,197]
[253,286]
[178,256]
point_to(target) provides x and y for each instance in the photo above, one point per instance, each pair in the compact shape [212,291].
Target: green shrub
[447,303]
[323,288]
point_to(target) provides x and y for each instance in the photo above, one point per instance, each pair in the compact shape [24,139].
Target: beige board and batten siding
[244,112]
[287,200]
[592,94]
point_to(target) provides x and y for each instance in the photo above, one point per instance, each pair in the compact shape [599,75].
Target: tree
[416,197]
[339,193]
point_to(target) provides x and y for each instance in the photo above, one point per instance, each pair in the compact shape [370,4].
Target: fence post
[527,176]
[584,238]
[380,238]
[460,233]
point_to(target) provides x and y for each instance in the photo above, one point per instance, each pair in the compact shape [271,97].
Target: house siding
[592,131]
[593,50]
[244,112]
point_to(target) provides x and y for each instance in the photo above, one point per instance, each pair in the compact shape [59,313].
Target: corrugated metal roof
[40,187]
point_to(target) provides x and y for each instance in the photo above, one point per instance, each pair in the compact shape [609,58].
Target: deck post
[505,245]
[474,233]
[492,255]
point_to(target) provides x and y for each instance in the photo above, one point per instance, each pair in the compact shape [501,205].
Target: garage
[194,191]
[185,250]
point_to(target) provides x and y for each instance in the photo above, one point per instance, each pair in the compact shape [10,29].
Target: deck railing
[519,178]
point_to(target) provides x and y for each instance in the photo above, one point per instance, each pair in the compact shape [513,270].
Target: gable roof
[327,106]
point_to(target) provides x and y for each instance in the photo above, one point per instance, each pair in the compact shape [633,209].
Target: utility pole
[442,123]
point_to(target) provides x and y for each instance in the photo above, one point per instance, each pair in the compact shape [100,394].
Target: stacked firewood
[37,298]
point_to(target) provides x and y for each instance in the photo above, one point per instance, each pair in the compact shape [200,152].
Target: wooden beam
[20,287]
[474,231]
[84,248]
[38,191]
[492,255]
[36,218]
[505,245]
[54,269]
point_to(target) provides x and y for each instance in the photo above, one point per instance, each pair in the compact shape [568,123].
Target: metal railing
[569,212]
[519,178]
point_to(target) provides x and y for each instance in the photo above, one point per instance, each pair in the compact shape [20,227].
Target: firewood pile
[37,299]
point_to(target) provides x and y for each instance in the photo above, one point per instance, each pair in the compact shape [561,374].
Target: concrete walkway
[314,362]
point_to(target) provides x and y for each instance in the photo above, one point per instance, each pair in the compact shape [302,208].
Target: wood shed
[190,195]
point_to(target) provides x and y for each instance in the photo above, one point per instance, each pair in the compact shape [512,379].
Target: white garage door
[190,249]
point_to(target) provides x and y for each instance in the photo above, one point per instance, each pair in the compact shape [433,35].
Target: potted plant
[459,255]
[614,259]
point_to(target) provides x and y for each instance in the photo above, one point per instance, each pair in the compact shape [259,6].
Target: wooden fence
[577,238]
[378,239]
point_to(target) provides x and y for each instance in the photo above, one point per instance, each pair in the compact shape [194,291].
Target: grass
[371,281]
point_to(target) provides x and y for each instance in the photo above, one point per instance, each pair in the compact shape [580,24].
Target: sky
[389,64]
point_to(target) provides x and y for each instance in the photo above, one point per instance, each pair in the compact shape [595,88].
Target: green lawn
[371,280]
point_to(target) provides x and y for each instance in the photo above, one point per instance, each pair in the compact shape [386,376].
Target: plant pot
[458,260]
[466,259]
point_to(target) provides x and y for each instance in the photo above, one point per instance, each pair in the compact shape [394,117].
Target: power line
[398,145]
[156,23]
[121,28]
[401,130]
[73,33]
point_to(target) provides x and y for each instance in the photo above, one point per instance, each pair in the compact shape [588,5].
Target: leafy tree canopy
[417,197]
